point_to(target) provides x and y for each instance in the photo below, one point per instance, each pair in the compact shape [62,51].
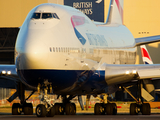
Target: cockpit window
[46,15]
[55,15]
[36,15]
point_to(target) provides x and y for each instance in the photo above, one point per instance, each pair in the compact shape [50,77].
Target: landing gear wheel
[109,109]
[69,109]
[133,109]
[59,109]
[146,109]
[98,109]
[114,108]
[51,112]
[16,109]
[41,110]
[28,109]
[103,109]
[74,110]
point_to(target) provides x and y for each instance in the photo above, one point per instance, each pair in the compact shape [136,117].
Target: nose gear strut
[45,108]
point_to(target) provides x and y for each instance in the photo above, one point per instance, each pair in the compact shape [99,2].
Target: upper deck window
[46,15]
[36,15]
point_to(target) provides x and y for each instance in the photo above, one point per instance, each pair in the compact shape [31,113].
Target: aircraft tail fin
[147,82]
[145,55]
[115,13]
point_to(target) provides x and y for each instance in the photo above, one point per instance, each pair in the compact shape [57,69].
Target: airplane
[60,51]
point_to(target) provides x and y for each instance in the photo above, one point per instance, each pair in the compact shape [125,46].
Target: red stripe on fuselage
[77,20]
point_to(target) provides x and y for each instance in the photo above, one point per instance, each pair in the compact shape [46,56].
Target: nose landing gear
[46,108]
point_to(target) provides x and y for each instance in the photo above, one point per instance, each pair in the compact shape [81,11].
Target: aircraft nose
[35,51]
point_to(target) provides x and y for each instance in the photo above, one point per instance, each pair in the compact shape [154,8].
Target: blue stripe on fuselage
[80,37]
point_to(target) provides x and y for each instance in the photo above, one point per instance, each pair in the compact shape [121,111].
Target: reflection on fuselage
[118,56]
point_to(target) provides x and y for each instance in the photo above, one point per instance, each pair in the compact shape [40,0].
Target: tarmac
[83,117]
[123,114]
[122,110]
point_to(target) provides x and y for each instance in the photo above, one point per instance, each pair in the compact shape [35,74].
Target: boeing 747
[59,50]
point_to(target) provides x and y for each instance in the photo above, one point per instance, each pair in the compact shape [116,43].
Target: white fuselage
[71,42]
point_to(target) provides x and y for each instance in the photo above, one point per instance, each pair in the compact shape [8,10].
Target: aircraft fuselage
[63,46]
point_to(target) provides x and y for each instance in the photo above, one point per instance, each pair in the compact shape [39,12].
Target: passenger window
[36,15]
[50,49]
[46,15]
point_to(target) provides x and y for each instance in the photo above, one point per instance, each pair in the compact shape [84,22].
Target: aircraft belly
[60,79]
[67,81]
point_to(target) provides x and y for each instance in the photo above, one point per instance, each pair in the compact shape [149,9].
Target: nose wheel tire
[41,110]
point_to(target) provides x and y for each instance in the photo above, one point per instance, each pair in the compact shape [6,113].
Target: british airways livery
[59,50]
[145,55]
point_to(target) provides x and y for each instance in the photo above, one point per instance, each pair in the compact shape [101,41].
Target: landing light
[127,72]
[8,72]
[3,72]
[134,71]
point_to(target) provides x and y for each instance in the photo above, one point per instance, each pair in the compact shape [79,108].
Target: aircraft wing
[118,74]
[146,40]
[8,76]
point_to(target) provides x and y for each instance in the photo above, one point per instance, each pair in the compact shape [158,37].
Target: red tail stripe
[145,53]
[120,9]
